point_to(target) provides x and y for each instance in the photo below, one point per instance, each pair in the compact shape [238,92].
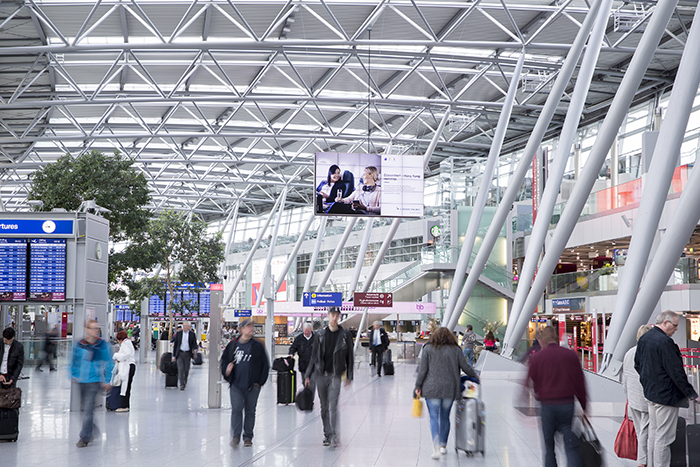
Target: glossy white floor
[175,428]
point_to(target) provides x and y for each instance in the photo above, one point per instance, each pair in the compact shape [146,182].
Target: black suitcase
[9,424]
[171,381]
[198,359]
[678,458]
[167,365]
[305,400]
[693,432]
[286,386]
[388,365]
[114,398]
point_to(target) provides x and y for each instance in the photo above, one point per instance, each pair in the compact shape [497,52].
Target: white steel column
[361,255]
[608,131]
[465,253]
[556,173]
[232,215]
[246,263]
[531,148]
[314,255]
[295,250]
[663,164]
[271,252]
[336,254]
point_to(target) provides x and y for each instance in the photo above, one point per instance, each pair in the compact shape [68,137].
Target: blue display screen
[47,269]
[204,302]
[13,269]
[156,306]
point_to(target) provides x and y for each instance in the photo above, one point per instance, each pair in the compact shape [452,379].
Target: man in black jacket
[245,366]
[378,343]
[11,359]
[659,363]
[331,357]
[303,345]
[184,349]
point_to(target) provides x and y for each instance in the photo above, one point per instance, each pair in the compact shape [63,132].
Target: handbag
[10,398]
[305,400]
[591,451]
[417,408]
[626,439]
[116,378]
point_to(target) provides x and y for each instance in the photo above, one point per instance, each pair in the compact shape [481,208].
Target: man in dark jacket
[378,343]
[11,359]
[303,345]
[660,366]
[557,379]
[245,366]
[184,349]
[331,357]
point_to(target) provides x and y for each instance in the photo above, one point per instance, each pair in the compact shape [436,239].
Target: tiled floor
[175,428]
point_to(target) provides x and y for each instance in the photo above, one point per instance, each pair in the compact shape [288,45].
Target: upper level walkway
[174,428]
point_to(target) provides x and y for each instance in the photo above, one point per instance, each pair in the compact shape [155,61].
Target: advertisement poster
[278,263]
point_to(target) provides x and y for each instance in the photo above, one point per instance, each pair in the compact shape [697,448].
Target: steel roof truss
[499,25]
[418,28]
[246,29]
[183,24]
[145,21]
[82,32]
[39,14]
[330,27]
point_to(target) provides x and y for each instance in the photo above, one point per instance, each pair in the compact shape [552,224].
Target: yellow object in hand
[417,409]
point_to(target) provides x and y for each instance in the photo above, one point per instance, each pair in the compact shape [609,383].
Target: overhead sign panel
[35,227]
[323,299]
[373,299]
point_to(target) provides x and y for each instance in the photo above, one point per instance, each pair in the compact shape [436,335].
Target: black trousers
[127,397]
[377,354]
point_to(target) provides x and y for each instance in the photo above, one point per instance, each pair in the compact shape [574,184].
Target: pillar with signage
[215,321]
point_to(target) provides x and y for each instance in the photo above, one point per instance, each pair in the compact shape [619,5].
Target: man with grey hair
[378,343]
[184,349]
[303,345]
[659,363]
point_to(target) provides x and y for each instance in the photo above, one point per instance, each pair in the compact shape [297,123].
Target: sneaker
[81,444]
[435,454]
[235,442]
[335,442]
[247,443]
[53,369]
[443,450]
[182,388]
[39,369]
[122,409]
[326,441]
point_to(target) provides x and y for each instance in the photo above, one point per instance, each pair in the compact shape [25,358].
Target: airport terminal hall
[339,233]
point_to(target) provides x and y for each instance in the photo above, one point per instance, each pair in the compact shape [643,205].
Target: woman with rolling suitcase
[127,368]
[438,381]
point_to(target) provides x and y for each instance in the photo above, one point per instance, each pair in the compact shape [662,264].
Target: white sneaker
[443,450]
[435,454]
[122,409]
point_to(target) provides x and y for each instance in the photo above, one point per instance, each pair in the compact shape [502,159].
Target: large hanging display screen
[368,185]
[13,269]
[47,269]
[194,303]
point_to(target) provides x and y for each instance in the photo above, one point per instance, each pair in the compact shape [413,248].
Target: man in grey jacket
[331,357]
[468,342]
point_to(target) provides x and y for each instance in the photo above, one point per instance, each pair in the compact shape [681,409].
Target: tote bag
[626,440]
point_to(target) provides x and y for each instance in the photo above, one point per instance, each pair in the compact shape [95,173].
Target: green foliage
[111,181]
[183,252]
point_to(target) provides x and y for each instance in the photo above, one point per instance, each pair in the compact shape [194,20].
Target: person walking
[184,349]
[91,368]
[303,345]
[637,405]
[659,363]
[11,359]
[126,365]
[245,366]
[557,378]
[378,343]
[331,359]
[49,350]
[438,381]
[468,343]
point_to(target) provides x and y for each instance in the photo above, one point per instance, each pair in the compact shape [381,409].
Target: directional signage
[373,299]
[242,313]
[323,299]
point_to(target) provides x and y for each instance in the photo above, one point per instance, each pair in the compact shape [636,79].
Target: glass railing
[34,351]
[605,279]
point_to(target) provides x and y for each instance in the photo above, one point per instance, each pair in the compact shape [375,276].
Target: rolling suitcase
[693,432]
[114,398]
[388,365]
[198,359]
[171,381]
[286,386]
[678,458]
[9,424]
[470,427]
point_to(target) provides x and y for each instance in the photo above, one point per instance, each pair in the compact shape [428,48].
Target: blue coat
[92,363]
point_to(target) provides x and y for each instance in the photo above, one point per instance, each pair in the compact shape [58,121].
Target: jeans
[558,418]
[88,394]
[329,392]
[242,400]
[662,433]
[439,410]
[469,355]
[183,367]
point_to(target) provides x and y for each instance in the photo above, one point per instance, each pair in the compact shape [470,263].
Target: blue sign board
[35,227]
[241,313]
[47,269]
[323,299]
[13,269]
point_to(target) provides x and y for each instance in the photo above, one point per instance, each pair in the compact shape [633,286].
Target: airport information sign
[323,299]
[13,269]
[47,269]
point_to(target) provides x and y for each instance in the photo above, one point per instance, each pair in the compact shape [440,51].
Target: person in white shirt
[365,199]
[637,404]
[378,343]
[11,360]
[126,365]
[184,349]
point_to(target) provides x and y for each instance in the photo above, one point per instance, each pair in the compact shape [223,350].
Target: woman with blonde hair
[438,381]
[637,407]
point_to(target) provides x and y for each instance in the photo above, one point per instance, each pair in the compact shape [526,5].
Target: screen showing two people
[369,185]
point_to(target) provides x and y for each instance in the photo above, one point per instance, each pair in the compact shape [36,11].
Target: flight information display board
[190,302]
[47,269]
[13,269]
[195,304]
[156,306]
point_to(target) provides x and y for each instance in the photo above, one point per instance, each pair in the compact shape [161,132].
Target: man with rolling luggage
[12,359]
[245,366]
[557,378]
[659,363]
[184,349]
[331,358]
[378,343]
